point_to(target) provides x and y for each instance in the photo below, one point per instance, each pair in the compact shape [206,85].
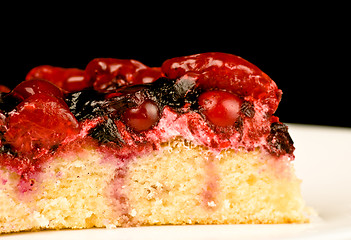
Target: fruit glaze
[123,107]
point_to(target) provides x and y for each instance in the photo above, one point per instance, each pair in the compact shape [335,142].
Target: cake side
[190,185]
[182,183]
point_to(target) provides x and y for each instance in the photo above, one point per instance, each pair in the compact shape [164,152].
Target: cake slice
[123,144]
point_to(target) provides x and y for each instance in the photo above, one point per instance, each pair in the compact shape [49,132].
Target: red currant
[142,117]
[220,108]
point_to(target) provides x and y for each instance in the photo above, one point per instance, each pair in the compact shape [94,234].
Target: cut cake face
[123,144]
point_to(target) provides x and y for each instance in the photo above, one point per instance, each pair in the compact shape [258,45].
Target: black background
[306,54]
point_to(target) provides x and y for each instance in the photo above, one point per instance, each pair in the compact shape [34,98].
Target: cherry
[40,121]
[220,108]
[226,71]
[74,80]
[142,117]
[47,72]
[70,79]
[107,74]
[31,87]
[4,89]
[147,75]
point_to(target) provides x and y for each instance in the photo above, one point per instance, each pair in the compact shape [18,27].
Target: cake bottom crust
[179,184]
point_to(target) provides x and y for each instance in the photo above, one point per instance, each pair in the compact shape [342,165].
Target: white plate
[323,161]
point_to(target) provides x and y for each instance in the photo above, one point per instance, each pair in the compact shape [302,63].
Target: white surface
[323,161]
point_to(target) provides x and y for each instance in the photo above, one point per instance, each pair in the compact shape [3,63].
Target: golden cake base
[180,184]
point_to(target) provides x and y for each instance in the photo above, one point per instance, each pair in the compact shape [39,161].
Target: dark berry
[174,93]
[8,102]
[86,104]
[248,109]
[279,140]
[106,132]
[220,108]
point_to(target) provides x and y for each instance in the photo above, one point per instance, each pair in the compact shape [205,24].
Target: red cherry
[226,71]
[220,108]
[70,79]
[74,80]
[4,89]
[142,117]
[147,75]
[40,121]
[46,72]
[109,73]
[31,87]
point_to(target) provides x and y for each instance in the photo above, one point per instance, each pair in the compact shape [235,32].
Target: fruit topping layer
[215,99]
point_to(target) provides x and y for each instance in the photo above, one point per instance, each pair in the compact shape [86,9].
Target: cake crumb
[133,213]
[111,226]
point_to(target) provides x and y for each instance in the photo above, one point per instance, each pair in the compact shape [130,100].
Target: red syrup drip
[211,188]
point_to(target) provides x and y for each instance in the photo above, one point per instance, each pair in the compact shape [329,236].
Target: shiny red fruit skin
[31,87]
[143,117]
[147,75]
[226,71]
[4,89]
[220,108]
[74,80]
[40,121]
[110,73]
[70,79]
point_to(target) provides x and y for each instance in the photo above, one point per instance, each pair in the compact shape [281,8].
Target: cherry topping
[74,80]
[4,89]
[70,79]
[46,72]
[220,108]
[142,117]
[147,75]
[107,74]
[40,121]
[31,87]
[226,71]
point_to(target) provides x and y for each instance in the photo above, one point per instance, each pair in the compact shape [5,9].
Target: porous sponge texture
[188,184]
[70,193]
[180,184]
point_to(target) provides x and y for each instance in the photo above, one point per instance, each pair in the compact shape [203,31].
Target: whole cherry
[31,87]
[220,107]
[226,71]
[142,117]
[108,74]
[69,79]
